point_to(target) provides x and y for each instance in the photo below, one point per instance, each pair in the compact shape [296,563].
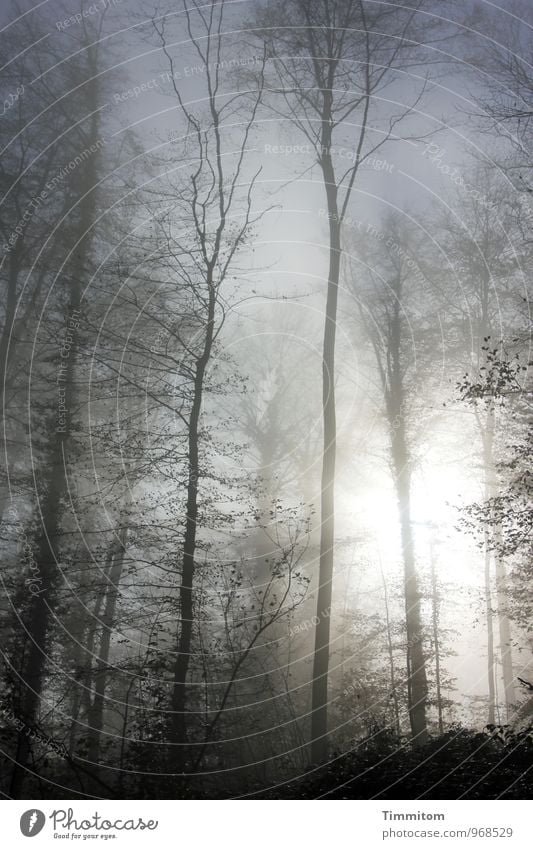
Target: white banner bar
[255,824]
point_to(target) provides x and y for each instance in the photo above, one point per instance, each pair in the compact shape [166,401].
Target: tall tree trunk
[390,653]
[395,401]
[494,539]
[84,637]
[181,666]
[43,599]
[95,718]
[416,665]
[436,639]
[487,435]
[319,694]
[265,497]
[506,652]
[39,611]
[90,639]
[6,339]
[490,634]
[7,344]
[41,605]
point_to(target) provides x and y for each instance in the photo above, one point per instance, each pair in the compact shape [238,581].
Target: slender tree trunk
[263,543]
[504,627]
[7,343]
[436,640]
[416,668]
[82,665]
[391,656]
[319,694]
[490,634]
[506,652]
[6,339]
[395,397]
[88,650]
[95,718]
[181,666]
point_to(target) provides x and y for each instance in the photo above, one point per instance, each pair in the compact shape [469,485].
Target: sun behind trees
[266,402]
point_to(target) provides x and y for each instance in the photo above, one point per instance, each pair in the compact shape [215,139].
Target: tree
[393,283]
[331,60]
[222,220]
[483,252]
[53,414]
[504,517]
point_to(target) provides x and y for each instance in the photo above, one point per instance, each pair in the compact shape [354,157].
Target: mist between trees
[266,502]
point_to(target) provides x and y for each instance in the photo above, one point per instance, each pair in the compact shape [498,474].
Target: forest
[266,399]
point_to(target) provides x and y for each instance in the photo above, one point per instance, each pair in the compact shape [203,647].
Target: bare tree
[393,282]
[221,222]
[332,58]
[484,251]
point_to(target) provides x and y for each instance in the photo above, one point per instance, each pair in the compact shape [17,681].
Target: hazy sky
[290,254]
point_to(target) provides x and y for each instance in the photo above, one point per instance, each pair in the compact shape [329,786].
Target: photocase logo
[32,822]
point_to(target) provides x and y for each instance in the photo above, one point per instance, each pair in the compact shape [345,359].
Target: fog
[266,393]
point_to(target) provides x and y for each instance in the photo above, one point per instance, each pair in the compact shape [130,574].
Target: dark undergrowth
[460,764]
